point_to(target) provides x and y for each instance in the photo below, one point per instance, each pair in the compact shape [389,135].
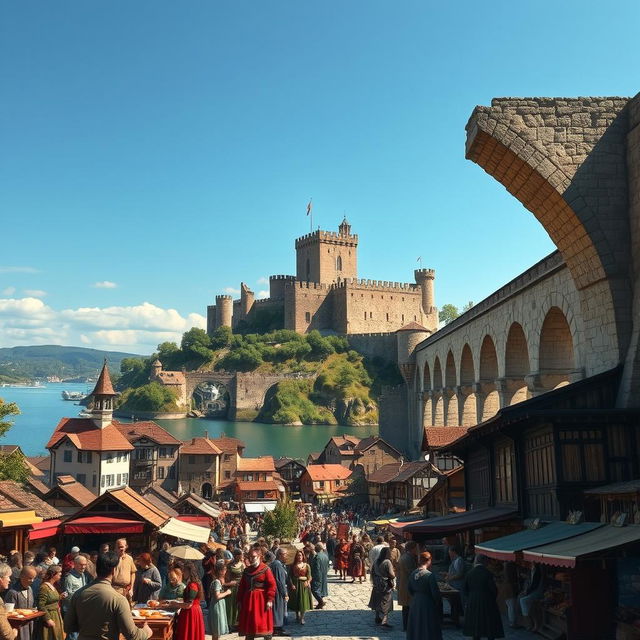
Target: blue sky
[157,153]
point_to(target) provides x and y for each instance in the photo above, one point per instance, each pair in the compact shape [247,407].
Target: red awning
[202,521]
[46,529]
[102,524]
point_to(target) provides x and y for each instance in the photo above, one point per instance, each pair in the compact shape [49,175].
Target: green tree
[221,338]
[196,345]
[150,397]
[321,348]
[467,306]
[282,522]
[448,313]
[7,409]
[12,466]
[135,372]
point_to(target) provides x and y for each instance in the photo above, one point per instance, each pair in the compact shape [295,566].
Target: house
[200,466]
[256,481]
[314,458]
[399,486]
[340,450]
[232,449]
[290,471]
[446,496]
[154,458]
[372,453]
[324,483]
[69,496]
[92,450]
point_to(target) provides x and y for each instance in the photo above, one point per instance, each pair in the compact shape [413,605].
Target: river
[42,408]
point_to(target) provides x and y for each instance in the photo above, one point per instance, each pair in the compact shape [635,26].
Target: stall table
[17,620]
[162,628]
[450,594]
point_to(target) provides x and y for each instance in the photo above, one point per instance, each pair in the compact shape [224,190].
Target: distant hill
[67,363]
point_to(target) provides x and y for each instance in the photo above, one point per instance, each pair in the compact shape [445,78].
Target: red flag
[309,208]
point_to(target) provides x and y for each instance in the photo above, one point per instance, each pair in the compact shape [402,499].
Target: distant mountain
[67,363]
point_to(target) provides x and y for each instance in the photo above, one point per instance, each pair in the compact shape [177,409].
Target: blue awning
[507,547]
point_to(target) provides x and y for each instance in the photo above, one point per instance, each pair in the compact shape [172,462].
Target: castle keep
[326,293]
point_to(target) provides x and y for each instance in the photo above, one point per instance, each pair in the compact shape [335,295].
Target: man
[275,545]
[319,571]
[375,552]
[406,566]
[394,553]
[51,556]
[21,595]
[281,576]
[99,612]
[455,578]
[125,572]
[74,580]
[256,593]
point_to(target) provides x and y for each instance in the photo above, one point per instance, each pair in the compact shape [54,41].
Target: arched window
[339,263]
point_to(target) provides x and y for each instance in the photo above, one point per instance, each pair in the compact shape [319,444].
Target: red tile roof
[442,436]
[40,487]
[341,441]
[18,495]
[228,444]
[412,326]
[171,377]
[146,429]
[200,446]
[73,490]
[85,435]
[327,472]
[263,463]
[384,474]
[265,485]
[40,462]
[103,386]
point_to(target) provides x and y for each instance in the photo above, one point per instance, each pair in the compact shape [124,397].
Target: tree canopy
[12,466]
[448,313]
[282,522]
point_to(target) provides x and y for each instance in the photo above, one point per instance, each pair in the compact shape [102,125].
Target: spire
[345,227]
[103,395]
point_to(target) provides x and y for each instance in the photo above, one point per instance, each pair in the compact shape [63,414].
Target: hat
[75,549]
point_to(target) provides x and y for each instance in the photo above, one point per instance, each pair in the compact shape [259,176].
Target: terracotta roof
[160,503]
[442,436]
[39,487]
[40,462]
[146,429]
[409,469]
[8,505]
[263,463]
[200,446]
[341,441]
[84,434]
[228,444]
[164,494]
[266,485]
[386,473]
[171,377]
[25,499]
[8,449]
[139,505]
[327,472]
[73,490]
[412,326]
[103,386]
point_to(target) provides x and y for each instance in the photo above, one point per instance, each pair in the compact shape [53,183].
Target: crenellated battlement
[330,237]
[222,297]
[378,285]
[281,277]
[424,274]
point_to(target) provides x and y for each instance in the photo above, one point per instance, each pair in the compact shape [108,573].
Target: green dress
[49,602]
[236,571]
[300,597]
[218,625]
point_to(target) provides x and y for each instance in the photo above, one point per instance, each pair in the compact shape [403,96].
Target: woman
[381,600]
[233,577]
[174,587]
[356,560]
[341,558]
[423,622]
[148,581]
[482,618]
[218,624]
[190,625]
[49,602]
[367,545]
[164,557]
[300,597]
[15,562]
[6,632]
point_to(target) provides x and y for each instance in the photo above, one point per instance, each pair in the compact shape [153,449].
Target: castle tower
[247,298]
[425,280]
[103,396]
[407,339]
[156,368]
[224,311]
[327,256]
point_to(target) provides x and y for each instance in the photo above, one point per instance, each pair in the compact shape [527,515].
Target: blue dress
[217,611]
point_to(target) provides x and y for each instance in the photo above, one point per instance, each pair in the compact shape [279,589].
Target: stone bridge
[247,391]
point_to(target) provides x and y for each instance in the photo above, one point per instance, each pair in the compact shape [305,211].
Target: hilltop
[18,364]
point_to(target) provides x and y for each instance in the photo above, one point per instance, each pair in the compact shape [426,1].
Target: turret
[425,280]
[103,396]
[247,298]
[224,311]
[156,368]
[407,339]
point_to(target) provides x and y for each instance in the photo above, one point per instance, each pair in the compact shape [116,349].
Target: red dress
[190,625]
[341,556]
[256,588]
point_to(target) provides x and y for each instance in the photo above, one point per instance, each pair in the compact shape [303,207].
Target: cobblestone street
[347,616]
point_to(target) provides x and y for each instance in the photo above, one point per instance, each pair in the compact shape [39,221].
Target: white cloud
[7,269]
[135,328]
[262,280]
[35,293]
[263,294]
[8,291]
[231,291]
[104,284]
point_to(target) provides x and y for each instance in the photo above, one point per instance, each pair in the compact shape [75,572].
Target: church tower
[103,397]
[326,256]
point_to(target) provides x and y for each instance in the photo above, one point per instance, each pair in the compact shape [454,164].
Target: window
[110,479]
[503,468]
[208,459]
[337,482]
[163,452]
[365,315]
[227,457]
[339,263]
[82,478]
[119,457]
[79,456]
[207,474]
[387,317]
[192,459]
[370,315]
[94,482]
[109,458]
[307,316]
[67,455]
[125,478]
[321,484]
[227,475]
[119,479]
[87,456]
[103,481]
[161,473]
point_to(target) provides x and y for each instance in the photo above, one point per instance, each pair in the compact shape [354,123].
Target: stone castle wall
[374,345]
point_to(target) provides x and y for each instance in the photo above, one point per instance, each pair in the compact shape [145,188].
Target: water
[43,408]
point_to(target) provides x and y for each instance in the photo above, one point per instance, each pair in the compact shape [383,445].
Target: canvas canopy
[455,522]
[185,530]
[259,507]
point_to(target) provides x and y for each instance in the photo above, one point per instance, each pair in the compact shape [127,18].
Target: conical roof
[413,326]
[103,386]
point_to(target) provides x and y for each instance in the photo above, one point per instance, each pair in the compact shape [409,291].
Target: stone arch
[437,374]
[427,415]
[426,378]
[516,355]
[206,491]
[450,371]
[438,411]
[556,357]
[490,405]
[467,372]
[339,263]
[488,360]
[452,418]
[470,410]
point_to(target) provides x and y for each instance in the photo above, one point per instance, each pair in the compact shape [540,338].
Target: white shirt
[375,552]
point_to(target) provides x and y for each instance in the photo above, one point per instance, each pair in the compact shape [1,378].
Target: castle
[326,293]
